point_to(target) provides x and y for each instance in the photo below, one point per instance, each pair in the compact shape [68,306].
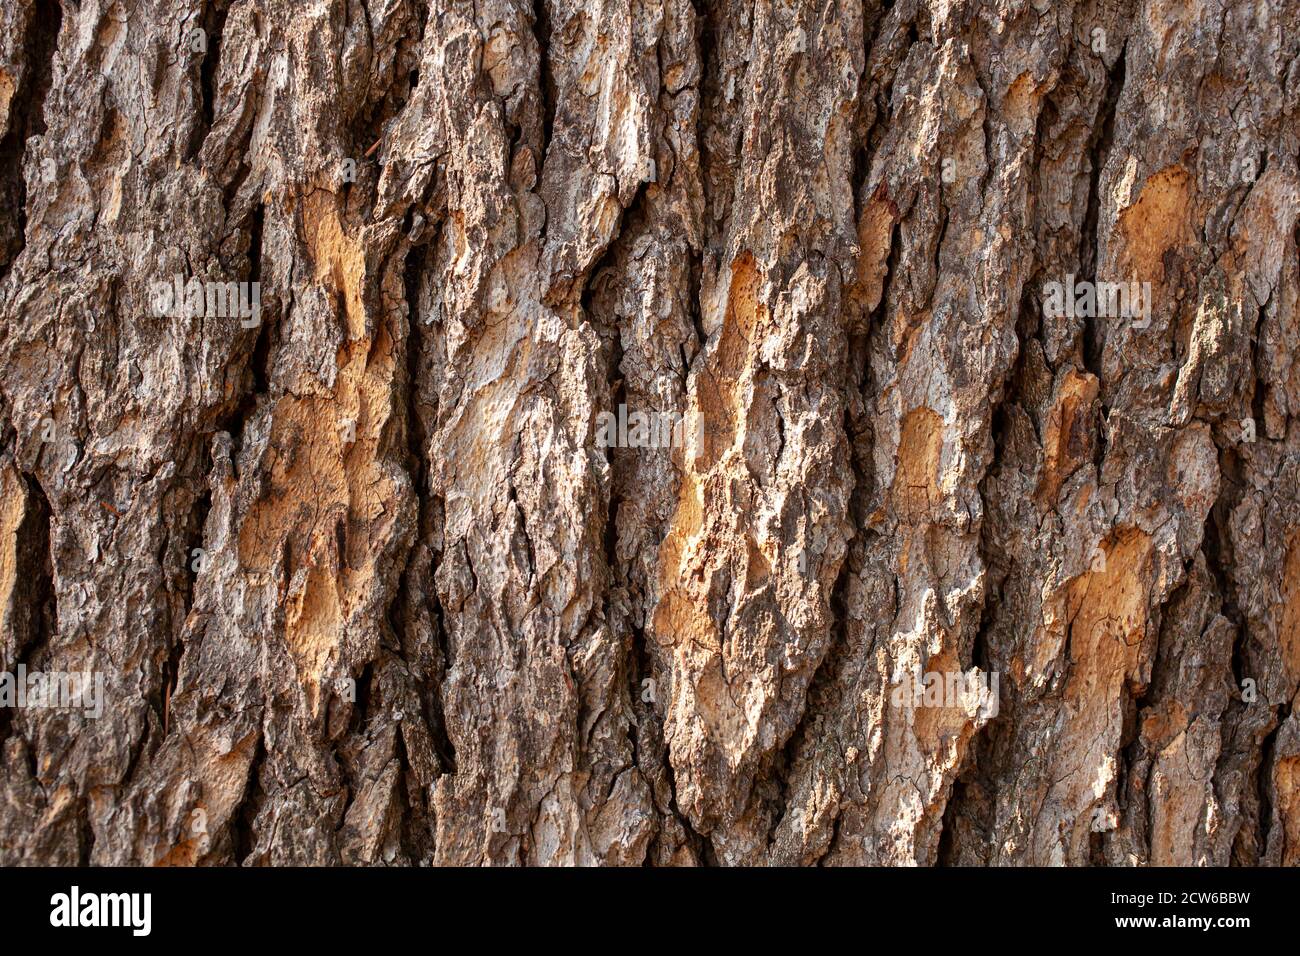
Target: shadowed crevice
[26,119]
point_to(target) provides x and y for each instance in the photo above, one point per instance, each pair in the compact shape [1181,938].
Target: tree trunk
[607,432]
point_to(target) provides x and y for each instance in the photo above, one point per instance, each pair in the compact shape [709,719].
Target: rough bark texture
[435,620]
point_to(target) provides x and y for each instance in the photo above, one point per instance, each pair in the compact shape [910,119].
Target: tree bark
[362,575]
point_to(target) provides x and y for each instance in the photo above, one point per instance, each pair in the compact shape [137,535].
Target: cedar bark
[433,619]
